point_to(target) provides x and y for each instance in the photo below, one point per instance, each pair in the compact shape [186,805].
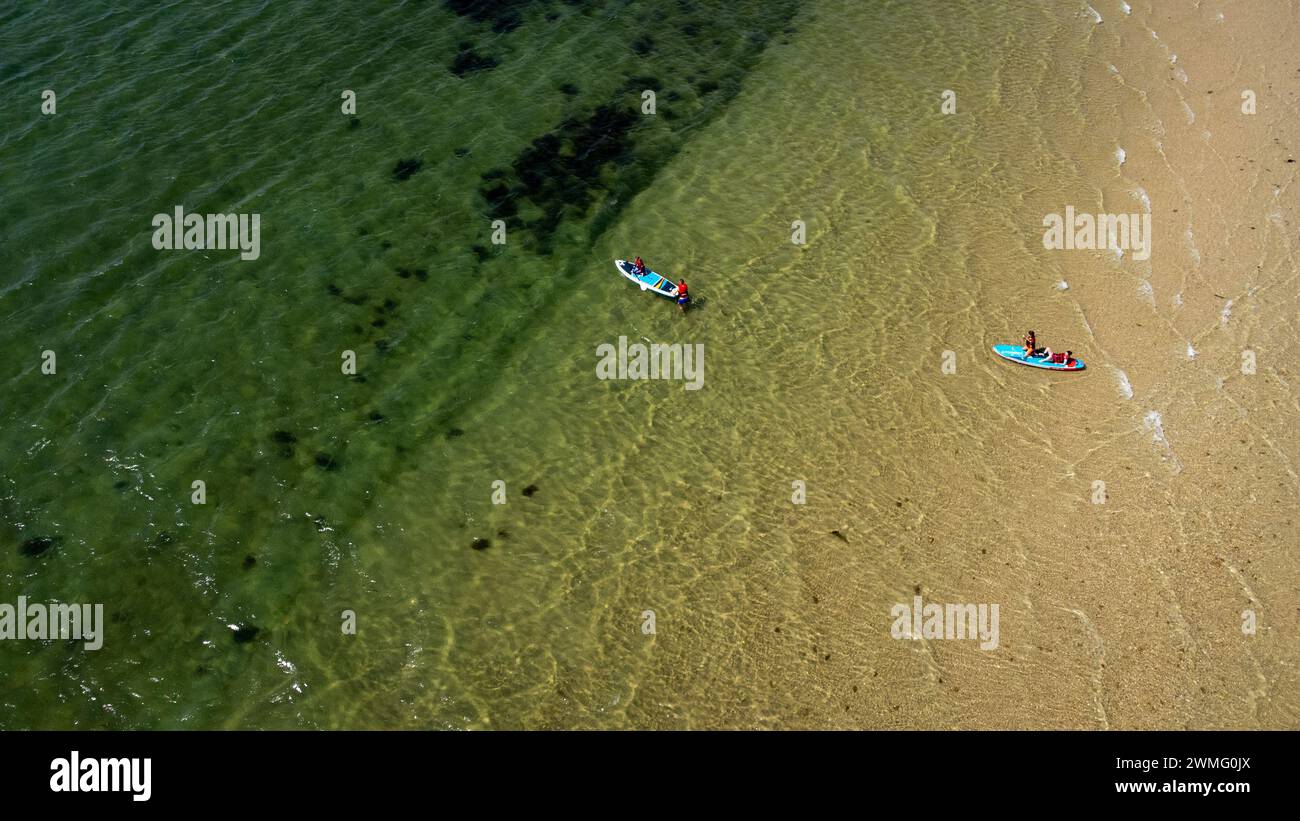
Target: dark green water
[177,366]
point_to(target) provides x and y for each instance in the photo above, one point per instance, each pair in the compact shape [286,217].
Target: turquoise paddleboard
[649,281]
[1016,353]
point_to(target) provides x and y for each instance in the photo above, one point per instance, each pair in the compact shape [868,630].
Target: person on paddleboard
[639,266]
[1066,359]
[683,298]
[1031,345]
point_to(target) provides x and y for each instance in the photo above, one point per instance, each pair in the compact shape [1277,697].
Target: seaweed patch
[592,163]
[559,172]
[468,61]
[405,168]
[40,545]
[504,15]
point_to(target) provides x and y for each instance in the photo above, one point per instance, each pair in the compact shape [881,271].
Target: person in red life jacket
[639,266]
[1066,359]
[683,297]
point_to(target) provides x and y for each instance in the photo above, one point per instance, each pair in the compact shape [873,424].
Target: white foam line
[1191,246]
[1125,389]
[1141,196]
[1153,422]
[1148,293]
